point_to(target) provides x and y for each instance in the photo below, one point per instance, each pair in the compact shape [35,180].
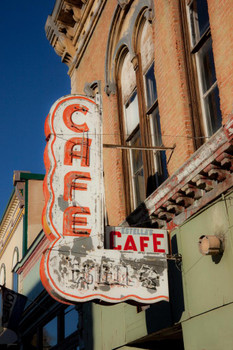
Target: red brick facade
[178,117]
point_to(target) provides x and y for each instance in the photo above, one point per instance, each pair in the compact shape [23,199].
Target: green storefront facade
[207,280]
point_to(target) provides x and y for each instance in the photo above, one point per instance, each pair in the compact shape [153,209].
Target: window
[62,331]
[152,112]
[14,274]
[3,275]
[70,320]
[141,119]
[133,138]
[50,334]
[201,48]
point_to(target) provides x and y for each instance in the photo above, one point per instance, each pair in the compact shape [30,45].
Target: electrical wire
[127,135]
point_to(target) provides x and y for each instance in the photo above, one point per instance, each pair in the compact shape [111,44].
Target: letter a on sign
[76,267]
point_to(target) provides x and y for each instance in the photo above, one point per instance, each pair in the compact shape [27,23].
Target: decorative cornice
[8,219]
[204,176]
[60,38]
[10,223]
[92,88]
[69,27]
[15,208]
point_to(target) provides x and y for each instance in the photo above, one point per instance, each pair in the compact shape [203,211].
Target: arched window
[132,134]
[140,115]
[3,275]
[14,274]
[151,117]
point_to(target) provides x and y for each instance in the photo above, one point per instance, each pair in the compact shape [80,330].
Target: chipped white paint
[76,267]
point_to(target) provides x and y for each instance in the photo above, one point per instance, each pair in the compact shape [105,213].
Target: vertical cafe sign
[76,267]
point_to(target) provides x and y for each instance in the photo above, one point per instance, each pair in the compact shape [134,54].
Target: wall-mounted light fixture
[210,245]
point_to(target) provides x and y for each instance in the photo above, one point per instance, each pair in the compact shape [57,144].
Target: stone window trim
[15,257]
[143,170]
[144,8]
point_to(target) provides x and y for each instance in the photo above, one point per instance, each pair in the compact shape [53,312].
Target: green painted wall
[32,285]
[210,331]
[207,282]
[116,325]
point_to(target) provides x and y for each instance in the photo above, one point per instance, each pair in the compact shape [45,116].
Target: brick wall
[171,81]
[172,86]
[92,67]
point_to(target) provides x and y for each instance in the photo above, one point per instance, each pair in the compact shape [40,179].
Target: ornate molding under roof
[70,26]
[10,221]
[203,178]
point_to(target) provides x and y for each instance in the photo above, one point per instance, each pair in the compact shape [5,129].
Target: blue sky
[32,79]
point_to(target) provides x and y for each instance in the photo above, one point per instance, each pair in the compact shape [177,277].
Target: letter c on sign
[112,234]
[67,117]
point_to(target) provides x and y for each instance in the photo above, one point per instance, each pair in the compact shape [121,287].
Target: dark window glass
[199,19]
[71,320]
[50,334]
[153,111]
[151,87]
[207,65]
[203,16]
[30,343]
[15,282]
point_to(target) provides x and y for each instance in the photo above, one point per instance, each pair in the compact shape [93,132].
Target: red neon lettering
[143,244]
[67,117]
[71,183]
[71,220]
[130,244]
[83,153]
[157,243]
[112,234]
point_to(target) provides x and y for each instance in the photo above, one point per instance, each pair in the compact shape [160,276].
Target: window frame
[63,341]
[208,126]
[132,154]
[15,277]
[148,157]
[3,271]
[158,157]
